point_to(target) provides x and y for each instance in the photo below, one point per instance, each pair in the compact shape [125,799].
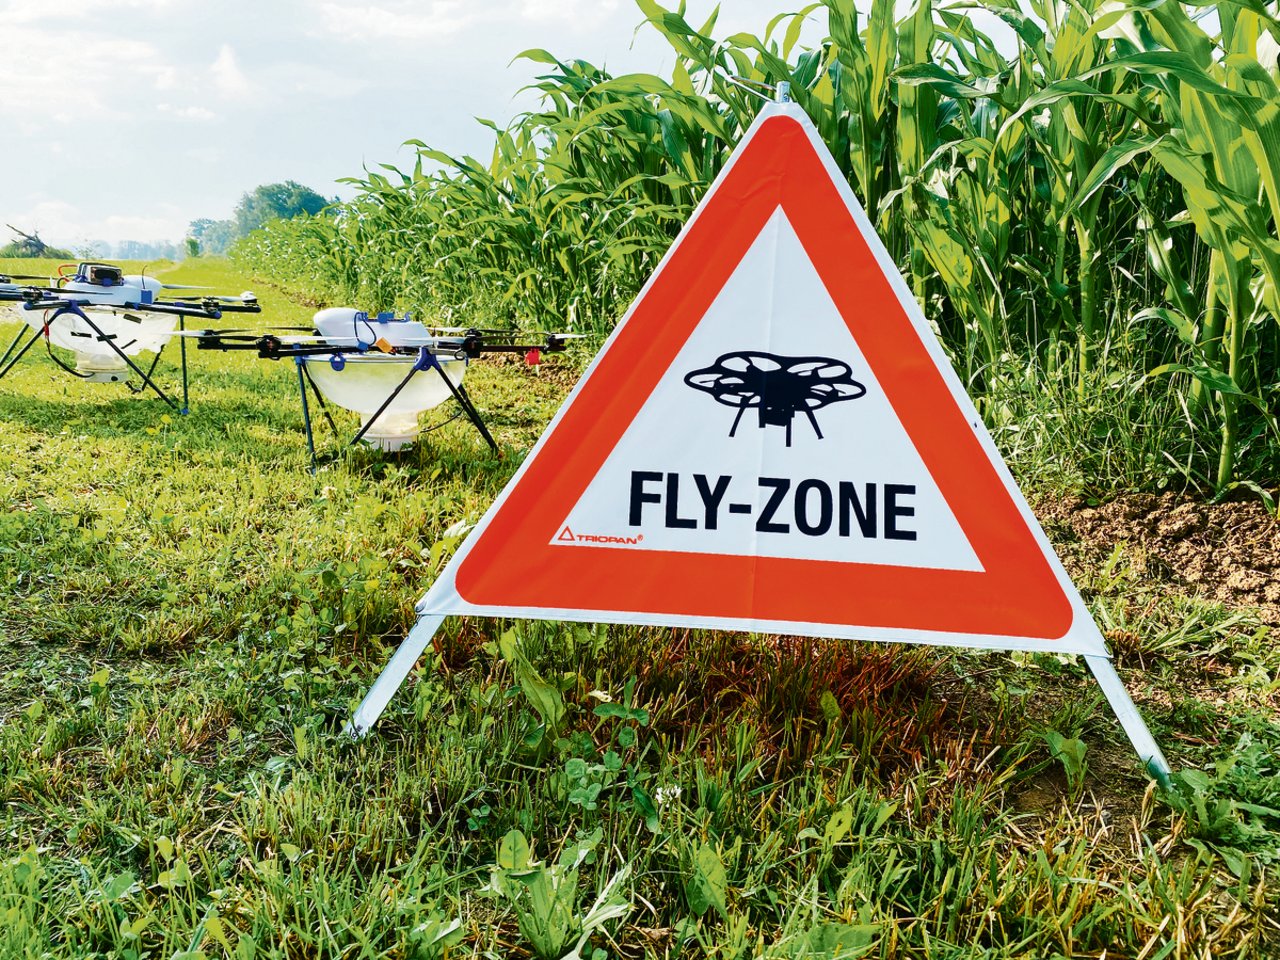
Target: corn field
[1088,212]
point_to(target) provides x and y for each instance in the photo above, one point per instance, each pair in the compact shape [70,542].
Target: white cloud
[70,11]
[396,20]
[227,76]
[308,80]
[107,103]
[65,224]
[38,76]
[187,113]
[579,14]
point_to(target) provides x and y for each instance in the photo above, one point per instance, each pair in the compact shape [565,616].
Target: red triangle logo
[523,556]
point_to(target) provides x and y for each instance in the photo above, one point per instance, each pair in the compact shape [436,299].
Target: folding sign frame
[853,493]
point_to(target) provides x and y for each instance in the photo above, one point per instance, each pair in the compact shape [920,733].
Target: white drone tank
[361,382]
[132,332]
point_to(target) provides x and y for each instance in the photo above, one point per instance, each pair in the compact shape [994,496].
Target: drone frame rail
[61,305]
[61,309]
[427,360]
[467,347]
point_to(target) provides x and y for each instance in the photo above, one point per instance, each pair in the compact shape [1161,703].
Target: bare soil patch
[1228,552]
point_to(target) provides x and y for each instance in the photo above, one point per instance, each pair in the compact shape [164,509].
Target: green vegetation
[1089,217]
[29,245]
[261,205]
[188,618]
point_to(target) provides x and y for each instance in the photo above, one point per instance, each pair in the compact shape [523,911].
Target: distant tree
[276,201]
[30,245]
[193,247]
[214,236]
[271,201]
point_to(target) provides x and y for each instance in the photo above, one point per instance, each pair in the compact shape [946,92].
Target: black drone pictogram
[777,387]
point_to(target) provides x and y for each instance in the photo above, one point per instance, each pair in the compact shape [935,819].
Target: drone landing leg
[464,401]
[324,408]
[368,424]
[150,370]
[35,335]
[110,342]
[737,420]
[182,347]
[300,363]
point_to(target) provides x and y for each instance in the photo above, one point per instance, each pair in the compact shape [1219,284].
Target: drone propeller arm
[267,347]
[38,300]
[177,309]
[474,345]
[246,307]
[272,347]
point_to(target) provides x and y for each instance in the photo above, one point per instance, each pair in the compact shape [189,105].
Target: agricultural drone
[106,318]
[370,364]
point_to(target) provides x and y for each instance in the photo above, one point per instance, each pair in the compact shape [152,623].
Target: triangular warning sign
[773,440]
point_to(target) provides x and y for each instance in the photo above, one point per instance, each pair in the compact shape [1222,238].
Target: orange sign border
[513,562]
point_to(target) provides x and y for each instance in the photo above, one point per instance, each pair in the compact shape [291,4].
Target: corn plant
[1094,205]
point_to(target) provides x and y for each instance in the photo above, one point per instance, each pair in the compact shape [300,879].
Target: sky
[127,119]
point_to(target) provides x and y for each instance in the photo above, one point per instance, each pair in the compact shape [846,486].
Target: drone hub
[108,286]
[347,323]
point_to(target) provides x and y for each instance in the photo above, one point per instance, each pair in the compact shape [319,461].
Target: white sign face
[787,446]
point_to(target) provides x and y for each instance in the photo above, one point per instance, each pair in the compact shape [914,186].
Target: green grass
[187,618]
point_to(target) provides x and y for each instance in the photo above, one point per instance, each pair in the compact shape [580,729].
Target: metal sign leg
[1127,713]
[393,675]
